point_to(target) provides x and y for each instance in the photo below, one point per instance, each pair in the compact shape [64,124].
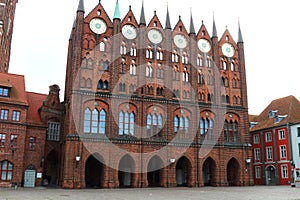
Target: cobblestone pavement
[208,193]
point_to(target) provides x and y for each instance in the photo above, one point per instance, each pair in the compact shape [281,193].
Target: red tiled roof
[17,85]
[253,118]
[35,102]
[287,106]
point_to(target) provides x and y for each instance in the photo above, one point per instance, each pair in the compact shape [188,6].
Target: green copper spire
[117,11]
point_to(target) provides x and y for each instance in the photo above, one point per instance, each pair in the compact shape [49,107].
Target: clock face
[129,32]
[98,26]
[228,50]
[155,36]
[180,41]
[204,45]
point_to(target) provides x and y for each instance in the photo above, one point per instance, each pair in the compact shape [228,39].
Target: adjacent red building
[271,141]
[24,124]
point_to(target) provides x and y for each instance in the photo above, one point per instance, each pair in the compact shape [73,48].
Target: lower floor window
[284,171]
[6,169]
[257,172]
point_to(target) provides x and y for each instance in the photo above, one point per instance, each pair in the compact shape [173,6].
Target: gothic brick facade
[150,106]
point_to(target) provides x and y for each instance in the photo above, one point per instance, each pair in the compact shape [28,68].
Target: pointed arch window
[206,127]
[199,60]
[102,46]
[149,53]
[102,122]
[176,124]
[232,67]
[132,68]
[123,49]
[175,57]
[94,121]
[231,131]
[95,115]
[133,50]
[149,70]
[176,73]
[87,121]
[126,123]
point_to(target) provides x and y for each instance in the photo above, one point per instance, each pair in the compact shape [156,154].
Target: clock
[98,26]
[204,45]
[228,50]
[180,41]
[129,31]
[155,36]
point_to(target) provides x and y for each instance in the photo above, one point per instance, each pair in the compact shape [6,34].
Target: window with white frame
[257,172]
[6,169]
[269,153]
[256,139]
[298,132]
[299,149]
[283,151]
[284,171]
[257,154]
[268,137]
[281,134]
[53,131]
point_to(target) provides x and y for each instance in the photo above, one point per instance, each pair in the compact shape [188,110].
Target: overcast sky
[270,31]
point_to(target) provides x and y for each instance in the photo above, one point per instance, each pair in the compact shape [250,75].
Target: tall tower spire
[214,32]
[80,6]
[117,11]
[192,27]
[168,23]
[142,18]
[240,38]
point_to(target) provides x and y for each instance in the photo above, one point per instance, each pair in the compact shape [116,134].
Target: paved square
[211,193]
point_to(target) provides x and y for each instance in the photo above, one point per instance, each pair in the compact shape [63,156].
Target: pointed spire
[192,27]
[214,32]
[142,19]
[80,6]
[117,11]
[168,23]
[240,38]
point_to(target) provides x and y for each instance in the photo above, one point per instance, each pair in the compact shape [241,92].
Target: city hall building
[147,105]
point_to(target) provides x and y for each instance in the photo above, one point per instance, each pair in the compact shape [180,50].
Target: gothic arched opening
[126,169]
[51,168]
[154,172]
[209,172]
[94,171]
[183,171]
[233,172]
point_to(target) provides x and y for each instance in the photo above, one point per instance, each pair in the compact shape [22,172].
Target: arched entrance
[94,171]
[51,168]
[183,171]
[270,175]
[126,169]
[233,172]
[208,172]
[154,172]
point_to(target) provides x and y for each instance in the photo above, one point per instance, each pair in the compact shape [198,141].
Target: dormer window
[279,118]
[252,124]
[4,92]
[272,113]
